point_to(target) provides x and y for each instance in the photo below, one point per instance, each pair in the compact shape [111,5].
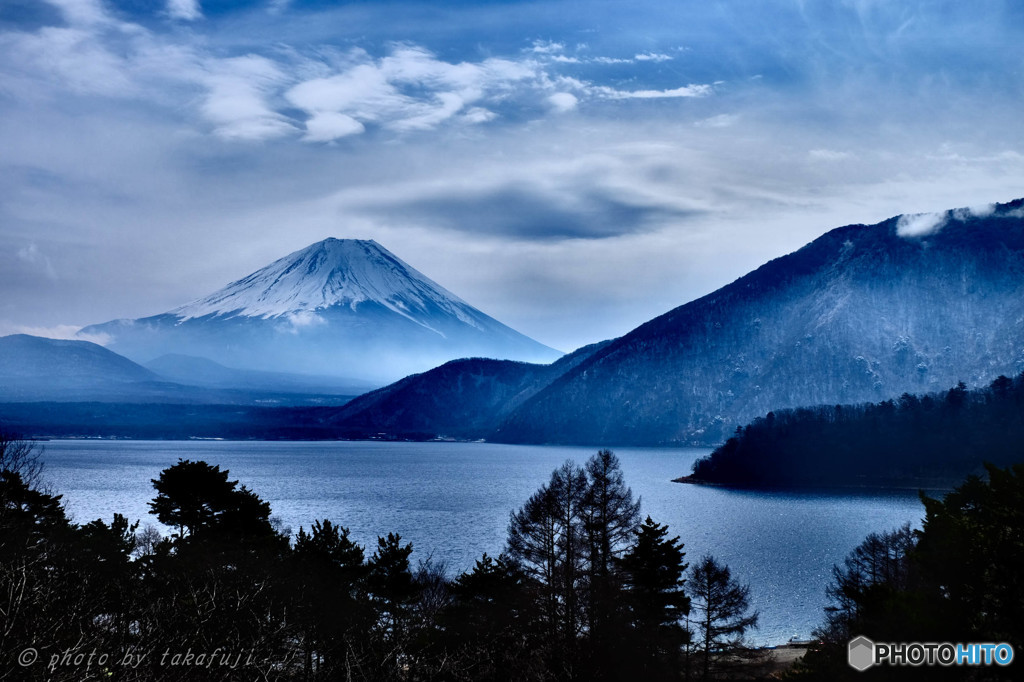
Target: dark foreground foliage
[960,579]
[583,591]
[932,440]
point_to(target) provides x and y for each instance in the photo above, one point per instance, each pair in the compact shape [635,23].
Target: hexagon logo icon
[861,653]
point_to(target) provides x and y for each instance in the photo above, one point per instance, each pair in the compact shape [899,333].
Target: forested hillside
[935,439]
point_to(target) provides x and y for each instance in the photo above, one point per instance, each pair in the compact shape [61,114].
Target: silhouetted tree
[720,605]
[392,591]
[547,538]
[329,598]
[656,601]
[960,582]
[610,518]
[971,556]
[491,625]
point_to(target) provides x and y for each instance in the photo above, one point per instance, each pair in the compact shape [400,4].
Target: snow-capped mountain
[342,307]
[334,272]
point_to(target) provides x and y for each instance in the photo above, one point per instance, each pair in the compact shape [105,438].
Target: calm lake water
[452,501]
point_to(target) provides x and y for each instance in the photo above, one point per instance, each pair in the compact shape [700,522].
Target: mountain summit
[343,307]
[334,272]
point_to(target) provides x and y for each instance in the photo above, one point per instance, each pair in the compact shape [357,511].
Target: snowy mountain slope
[334,272]
[339,307]
[864,313]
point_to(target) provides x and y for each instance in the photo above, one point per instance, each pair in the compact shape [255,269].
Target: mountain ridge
[837,289]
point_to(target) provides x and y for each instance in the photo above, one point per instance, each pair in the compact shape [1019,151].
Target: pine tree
[720,604]
[654,582]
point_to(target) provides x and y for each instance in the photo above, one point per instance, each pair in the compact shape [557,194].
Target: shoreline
[935,484]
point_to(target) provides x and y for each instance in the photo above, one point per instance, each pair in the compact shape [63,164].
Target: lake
[453,500]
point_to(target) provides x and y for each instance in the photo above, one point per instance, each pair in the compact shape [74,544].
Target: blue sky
[571,168]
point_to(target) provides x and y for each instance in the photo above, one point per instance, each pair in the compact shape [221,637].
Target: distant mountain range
[35,369]
[341,307]
[193,371]
[863,313]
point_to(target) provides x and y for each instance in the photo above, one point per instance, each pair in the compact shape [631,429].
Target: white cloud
[64,332]
[304,319]
[253,97]
[82,12]
[237,99]
[563,101]
[187,10]
[408,90]
[982,211]
[70,58]
[546,47]
[828,155]
[67,332]
[479,115]
[921,224]
[719,121]
[685,91]
[652,57]
[331,125]
[33,256]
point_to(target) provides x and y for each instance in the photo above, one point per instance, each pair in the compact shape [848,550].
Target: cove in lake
[453,500]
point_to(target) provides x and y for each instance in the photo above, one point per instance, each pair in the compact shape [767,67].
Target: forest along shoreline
[926,442]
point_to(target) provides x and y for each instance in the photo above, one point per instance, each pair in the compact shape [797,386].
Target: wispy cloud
[315,96]
[32,255]
[671,93]
[828,155]
[410,89]
[187,10]
[719,121]
[921,224]
[652,57]
[237,98]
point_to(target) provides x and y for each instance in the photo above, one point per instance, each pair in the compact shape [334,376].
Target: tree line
[934,439]
[583,590]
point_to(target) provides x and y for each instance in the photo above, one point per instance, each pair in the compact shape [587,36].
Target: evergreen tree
[654,582]
[392,591]
[720,606]
[971,557]
[329,597]
[490,624]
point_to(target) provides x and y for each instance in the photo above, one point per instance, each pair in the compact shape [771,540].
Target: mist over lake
[453,500]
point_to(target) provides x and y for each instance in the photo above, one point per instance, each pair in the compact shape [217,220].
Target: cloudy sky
[570,167]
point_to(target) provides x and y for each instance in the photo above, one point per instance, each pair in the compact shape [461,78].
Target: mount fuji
[340,307]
